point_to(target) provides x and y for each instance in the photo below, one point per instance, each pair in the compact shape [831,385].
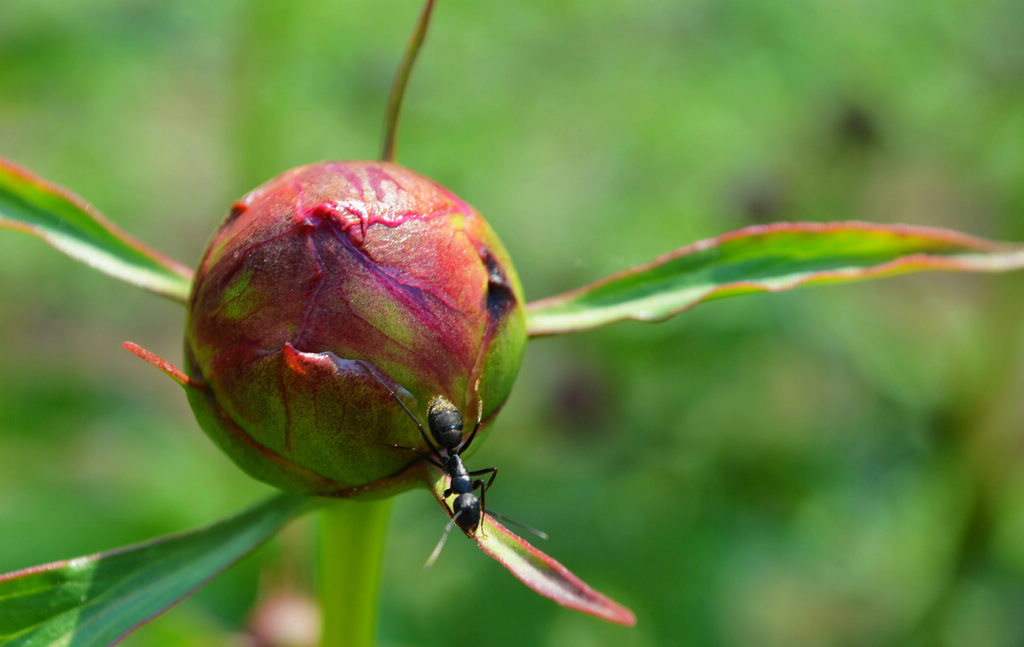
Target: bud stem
[352,545]
[387,153]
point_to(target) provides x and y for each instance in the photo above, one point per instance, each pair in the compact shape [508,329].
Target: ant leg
[479,483]
[476,427]
[466,443]
[425,456]
[434,450]
[493,471]
[483,495]
[433,461]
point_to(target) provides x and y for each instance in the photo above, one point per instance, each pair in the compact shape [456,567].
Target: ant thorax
[456,469]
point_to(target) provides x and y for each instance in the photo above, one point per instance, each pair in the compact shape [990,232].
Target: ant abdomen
[445,422]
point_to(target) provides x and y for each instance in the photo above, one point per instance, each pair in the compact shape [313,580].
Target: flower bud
[326,293]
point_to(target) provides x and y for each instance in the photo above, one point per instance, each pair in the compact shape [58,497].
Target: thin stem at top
[387,152]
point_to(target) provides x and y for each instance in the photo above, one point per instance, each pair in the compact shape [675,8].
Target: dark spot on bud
[500,296]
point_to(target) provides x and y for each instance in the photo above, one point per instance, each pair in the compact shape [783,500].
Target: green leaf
[65,221]
[533,568]
[96,600]
[766,258]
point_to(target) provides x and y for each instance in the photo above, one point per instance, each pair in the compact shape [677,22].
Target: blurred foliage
[837,466]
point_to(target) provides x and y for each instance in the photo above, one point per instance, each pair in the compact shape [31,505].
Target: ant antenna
[540,534]
[440,544]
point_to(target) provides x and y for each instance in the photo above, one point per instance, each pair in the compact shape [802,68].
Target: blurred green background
[834,466]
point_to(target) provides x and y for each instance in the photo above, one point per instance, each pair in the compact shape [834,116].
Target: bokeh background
[834,466]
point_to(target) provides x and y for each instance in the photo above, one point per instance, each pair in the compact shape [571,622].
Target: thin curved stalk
[394,108]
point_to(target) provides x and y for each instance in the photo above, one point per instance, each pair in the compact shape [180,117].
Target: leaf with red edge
[533,568]
[65,221]
[546,576]
[766,258]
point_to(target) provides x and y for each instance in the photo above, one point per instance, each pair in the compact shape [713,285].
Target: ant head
[445,422]
[467,512]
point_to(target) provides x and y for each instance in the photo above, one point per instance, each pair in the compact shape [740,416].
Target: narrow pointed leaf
[65,221]
[96,600]
[533,568]
[546,576]
[766,258]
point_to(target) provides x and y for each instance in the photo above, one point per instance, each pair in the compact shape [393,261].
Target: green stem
[352,545]
[387,152]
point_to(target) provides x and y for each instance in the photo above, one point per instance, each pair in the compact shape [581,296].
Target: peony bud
[325,290]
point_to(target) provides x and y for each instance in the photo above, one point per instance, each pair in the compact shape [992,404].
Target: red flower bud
[322,286]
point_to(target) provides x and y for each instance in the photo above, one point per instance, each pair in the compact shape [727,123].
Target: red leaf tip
[171,370]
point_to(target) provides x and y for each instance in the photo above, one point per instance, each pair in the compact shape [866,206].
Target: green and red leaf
[546,576]
[65,221]
[534,568]
[97,599]
[766,258]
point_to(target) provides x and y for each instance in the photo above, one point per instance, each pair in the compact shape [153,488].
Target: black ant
[445,423]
